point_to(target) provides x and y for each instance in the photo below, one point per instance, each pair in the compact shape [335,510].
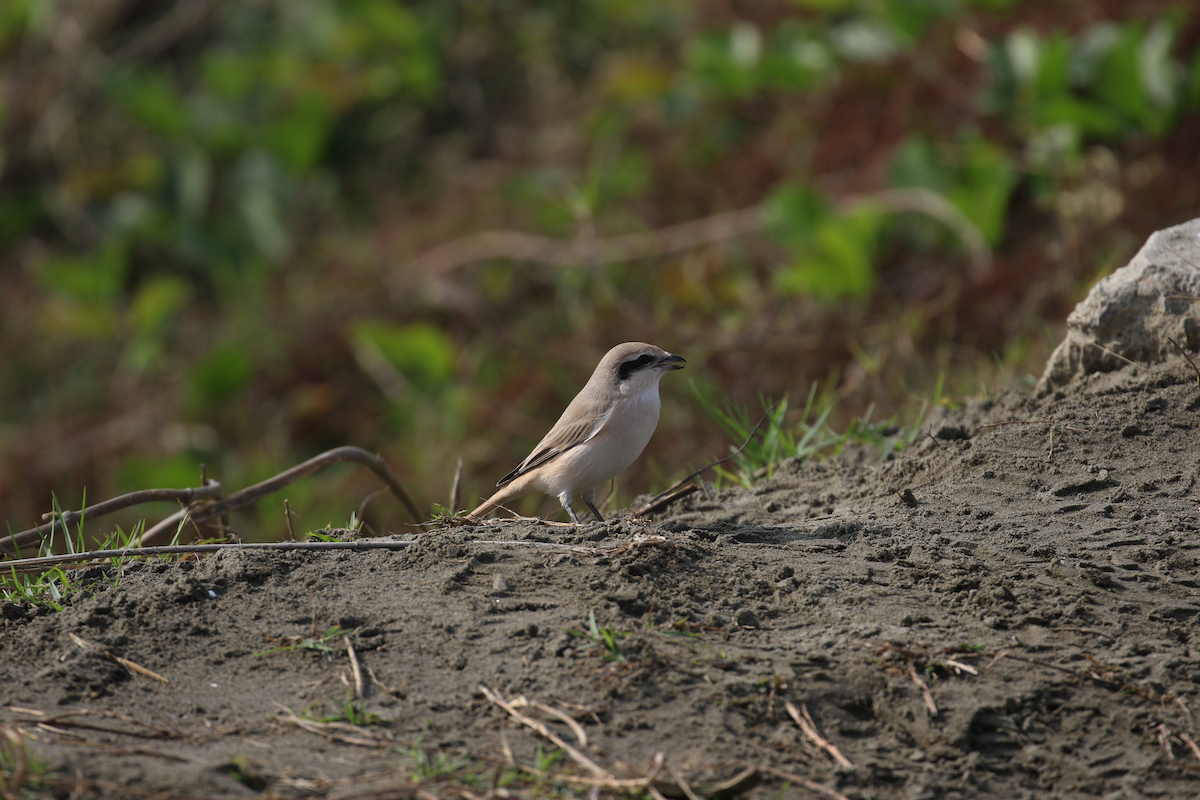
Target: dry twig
[253,494]
[805,721]
[1191,744]
[926,695]
[218,507]
[533,724]
[287,516]
[807,782]
[456,487]
[563,716]
[337,731]
[354,668]
[1183,353]
[1016,422]
[1112,353]
[124,662]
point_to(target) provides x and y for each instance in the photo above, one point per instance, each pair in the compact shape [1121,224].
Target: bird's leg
[565,499]
[590,499]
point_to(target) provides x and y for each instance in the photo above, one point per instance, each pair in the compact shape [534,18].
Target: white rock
[1133,311]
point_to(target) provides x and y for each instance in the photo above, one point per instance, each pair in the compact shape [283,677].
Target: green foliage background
[222,223]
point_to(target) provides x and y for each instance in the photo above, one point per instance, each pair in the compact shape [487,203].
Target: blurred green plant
[199,217]
[1112,80]
[831,252]
[23,771]
[971,173]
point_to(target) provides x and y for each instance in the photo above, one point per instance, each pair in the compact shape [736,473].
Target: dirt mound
[1024,626]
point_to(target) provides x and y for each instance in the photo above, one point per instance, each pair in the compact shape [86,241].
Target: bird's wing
[561,438]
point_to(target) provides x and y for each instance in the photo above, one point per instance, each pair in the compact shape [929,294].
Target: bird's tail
[510,491]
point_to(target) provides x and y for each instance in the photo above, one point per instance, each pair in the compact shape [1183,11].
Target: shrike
[603,431]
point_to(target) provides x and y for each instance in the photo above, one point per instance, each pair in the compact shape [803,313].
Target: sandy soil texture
[1026,627]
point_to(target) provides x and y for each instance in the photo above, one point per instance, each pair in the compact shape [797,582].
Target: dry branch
[216,508]
[1113,353]
[562,716]
[8,544]
[1191,744]
[590,251]
[1016,422]
[254,493]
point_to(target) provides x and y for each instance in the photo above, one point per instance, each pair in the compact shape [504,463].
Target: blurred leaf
[1138,78]
[838,261]
[98,277]
[218,376]
[298,135]
[797,58]
[261,195]
[793,214]
[633,78]
[827,5]
[976,176]
[423,353]
[865,40]
[151,99]
[985,181]
[910,19]
[1192,87]
[20,210]
[16,16]
[157,301]
[916,163]
[726,64]
[191,182]
[138,472]
[1109,80]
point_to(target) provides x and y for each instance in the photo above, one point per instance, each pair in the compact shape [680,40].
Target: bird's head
[637,363]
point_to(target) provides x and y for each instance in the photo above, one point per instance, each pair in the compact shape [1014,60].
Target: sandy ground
[1043,587]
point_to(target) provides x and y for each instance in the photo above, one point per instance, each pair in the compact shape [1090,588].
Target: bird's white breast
[620,440]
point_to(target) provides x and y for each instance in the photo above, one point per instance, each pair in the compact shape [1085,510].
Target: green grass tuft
[810,436]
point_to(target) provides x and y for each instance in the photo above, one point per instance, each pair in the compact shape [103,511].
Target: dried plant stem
[805,721]
[926,695]
[358,677]
[807,782]
[1183,353]
[533,724]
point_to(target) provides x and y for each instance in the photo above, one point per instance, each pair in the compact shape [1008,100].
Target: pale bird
[603,431]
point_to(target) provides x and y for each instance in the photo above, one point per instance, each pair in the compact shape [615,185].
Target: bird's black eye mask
[629,367]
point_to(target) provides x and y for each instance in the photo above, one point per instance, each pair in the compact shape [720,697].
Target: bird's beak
[672,362]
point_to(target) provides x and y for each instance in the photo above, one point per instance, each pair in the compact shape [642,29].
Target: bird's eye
[645,359]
